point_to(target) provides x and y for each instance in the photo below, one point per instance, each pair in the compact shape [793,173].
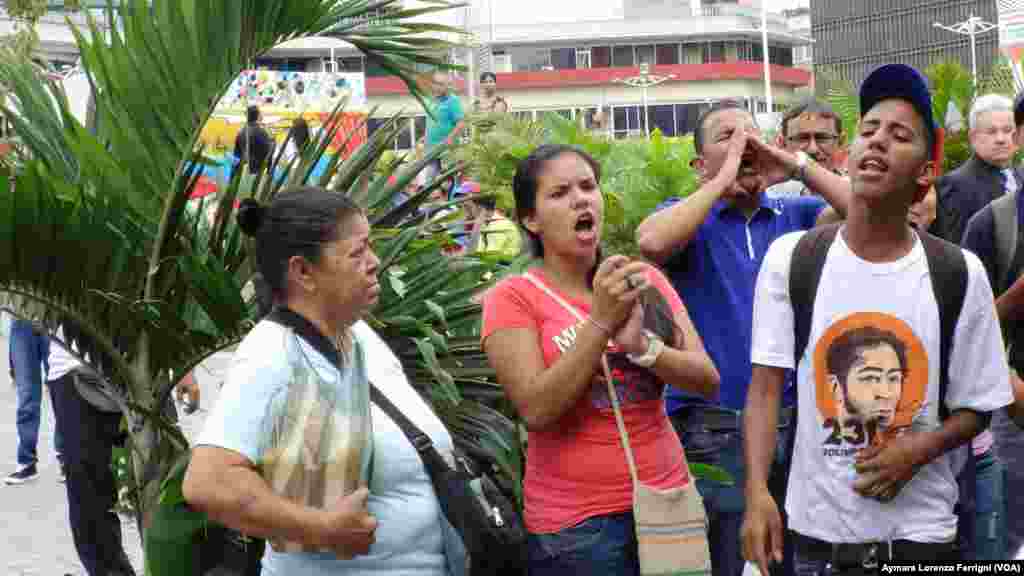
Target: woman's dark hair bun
[250,216]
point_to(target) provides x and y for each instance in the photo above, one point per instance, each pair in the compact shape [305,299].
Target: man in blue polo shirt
[711,246]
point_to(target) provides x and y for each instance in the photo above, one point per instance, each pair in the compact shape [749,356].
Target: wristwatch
[655,346]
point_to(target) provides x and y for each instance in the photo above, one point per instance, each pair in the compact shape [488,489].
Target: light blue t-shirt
[409,530]
[447,114]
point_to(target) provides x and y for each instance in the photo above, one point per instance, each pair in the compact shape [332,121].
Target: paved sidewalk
[36,538]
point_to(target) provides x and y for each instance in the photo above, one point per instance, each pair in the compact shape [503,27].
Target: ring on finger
[632,282]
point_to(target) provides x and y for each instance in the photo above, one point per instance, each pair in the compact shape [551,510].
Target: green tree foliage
[99,228]
[951,85]
[637,174]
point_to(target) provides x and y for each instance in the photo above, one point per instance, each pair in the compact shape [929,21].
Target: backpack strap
[1004,216]
[947,269]
[806,264]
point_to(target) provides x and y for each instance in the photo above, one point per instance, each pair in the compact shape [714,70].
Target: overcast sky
[779,5]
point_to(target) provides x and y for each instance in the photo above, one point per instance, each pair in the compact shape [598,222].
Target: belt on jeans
[868,554]
[725,419]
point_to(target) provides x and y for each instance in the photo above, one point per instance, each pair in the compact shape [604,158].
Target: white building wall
[596,96]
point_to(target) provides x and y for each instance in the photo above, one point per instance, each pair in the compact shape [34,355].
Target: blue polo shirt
[715,276]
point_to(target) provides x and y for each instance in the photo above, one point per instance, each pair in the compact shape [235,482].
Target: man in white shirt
[853,503]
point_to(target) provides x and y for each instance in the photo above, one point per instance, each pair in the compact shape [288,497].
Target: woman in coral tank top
[578,492]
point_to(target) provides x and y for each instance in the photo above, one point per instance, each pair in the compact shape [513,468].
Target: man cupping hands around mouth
[750,166]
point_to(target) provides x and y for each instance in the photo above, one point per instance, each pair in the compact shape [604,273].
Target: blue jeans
[982,528]
[28,353]
[725,505]
[1010,448]
[598,545]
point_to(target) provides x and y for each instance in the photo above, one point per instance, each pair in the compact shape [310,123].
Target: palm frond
[144,268]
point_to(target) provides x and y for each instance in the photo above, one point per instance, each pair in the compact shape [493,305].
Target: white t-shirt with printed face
[871,371]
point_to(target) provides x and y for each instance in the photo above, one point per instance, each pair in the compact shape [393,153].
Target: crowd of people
[805,320]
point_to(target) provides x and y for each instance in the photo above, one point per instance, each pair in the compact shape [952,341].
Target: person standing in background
[27,356]
[814,128]
[444,122]
[91,422]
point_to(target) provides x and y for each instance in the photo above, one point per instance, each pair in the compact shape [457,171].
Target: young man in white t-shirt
[872,478]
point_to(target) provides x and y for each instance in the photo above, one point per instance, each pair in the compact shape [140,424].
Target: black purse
[487,521]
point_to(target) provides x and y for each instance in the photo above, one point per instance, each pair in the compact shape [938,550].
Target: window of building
[732,51]
[374,69]
[693,53]
[582,58]
[601,56]
[714,52]
[686,117]
[623,56]
[663,118]
[645,54]
[405,135]
[757,52]
[353,64]
[419,127]
[781,55]
[627,121]
[563,58]
[282,64]
[667,54]
[372,124]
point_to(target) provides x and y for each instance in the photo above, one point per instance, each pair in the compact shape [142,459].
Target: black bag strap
[307,331]
[947,269]
[805,268]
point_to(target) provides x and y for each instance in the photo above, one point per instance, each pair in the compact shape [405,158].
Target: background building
[565,58]
[853,37]
[568,58]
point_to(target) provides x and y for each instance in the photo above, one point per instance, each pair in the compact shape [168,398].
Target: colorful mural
[281,97]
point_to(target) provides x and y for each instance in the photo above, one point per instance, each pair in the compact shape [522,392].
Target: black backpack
[947,269]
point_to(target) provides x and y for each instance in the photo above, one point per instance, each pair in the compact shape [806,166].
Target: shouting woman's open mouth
[586,227]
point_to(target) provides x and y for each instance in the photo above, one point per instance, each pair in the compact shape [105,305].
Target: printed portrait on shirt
[872,374]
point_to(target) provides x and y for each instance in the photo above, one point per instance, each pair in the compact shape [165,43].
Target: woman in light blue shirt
[288,453]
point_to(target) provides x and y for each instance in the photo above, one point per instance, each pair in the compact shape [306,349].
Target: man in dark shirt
[980,238]
[253,144]
[987,175]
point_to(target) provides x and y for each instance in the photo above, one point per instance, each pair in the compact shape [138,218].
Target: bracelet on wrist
[600,326]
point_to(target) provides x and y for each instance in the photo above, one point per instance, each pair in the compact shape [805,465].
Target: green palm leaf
[98,227]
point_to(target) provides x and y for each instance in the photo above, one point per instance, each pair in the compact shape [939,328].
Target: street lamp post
[971,28]
[764,57]
[643,81]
